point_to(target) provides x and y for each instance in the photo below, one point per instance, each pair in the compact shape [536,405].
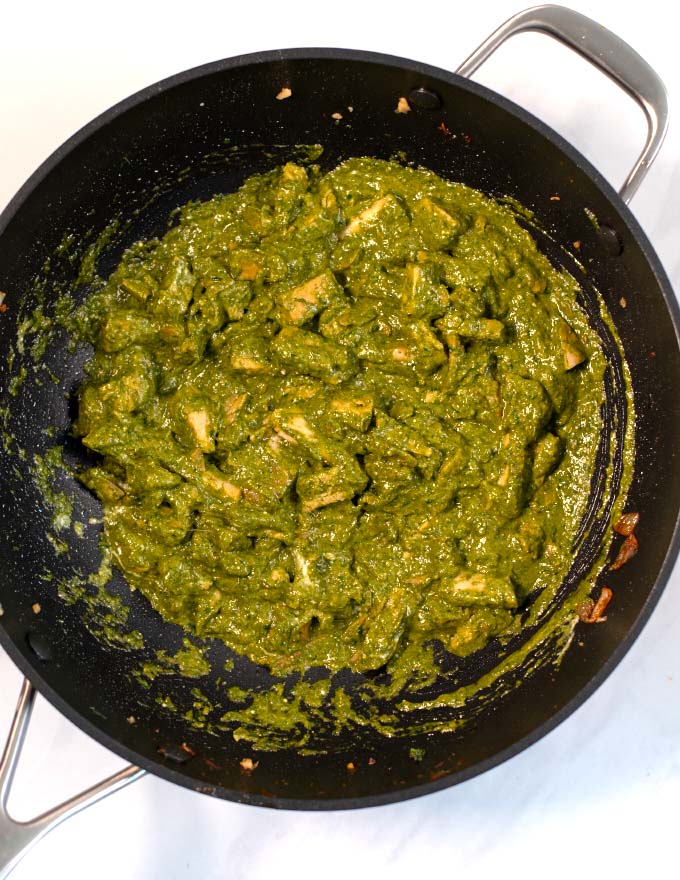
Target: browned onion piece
[626,552]
[591,612]
[627,523]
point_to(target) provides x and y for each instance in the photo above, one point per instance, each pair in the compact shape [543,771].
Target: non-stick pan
[203,132]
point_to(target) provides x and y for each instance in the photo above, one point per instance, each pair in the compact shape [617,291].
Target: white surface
[600,795]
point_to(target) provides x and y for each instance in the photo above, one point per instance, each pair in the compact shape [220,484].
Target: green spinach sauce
[340,417]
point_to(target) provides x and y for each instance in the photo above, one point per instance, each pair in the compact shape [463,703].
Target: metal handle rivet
[174,753]
[425,99]
[39,645]
[610,240]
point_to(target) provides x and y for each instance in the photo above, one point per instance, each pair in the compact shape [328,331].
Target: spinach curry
[341,417]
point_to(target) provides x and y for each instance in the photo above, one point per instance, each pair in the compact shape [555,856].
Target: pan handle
[17,838]
[609,54]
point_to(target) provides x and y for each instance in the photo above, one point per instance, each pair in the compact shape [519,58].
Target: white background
[599,796]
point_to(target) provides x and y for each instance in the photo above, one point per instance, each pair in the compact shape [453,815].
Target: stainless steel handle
[609,54]
[17,838]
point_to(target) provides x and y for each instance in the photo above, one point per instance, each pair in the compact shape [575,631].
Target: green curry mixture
[341,416]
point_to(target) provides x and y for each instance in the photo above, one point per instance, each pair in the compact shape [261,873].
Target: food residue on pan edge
[590,611]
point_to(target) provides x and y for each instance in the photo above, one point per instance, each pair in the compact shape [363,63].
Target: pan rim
[165,771]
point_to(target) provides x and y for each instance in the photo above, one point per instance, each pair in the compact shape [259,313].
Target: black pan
[200,133]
